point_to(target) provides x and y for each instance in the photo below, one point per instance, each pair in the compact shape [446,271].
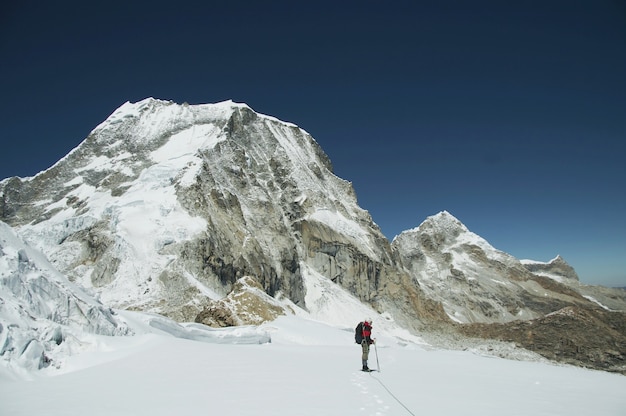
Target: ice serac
[474,281]
[164,207]
[40,308]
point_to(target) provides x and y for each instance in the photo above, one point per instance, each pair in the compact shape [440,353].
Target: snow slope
[309,368]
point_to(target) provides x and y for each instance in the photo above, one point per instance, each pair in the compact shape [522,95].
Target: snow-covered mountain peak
[446,230]
[153,115]
[473,280]
[166,199]
[136,108]
[444,222]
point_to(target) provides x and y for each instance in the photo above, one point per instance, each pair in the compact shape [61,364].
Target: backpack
[358,333]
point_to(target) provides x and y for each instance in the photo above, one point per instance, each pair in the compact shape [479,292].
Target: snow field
[309,369]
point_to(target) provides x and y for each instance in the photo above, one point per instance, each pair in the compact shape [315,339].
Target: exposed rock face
[611,299]
[246,304]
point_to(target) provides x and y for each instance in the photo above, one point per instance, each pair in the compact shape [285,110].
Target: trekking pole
[376,350]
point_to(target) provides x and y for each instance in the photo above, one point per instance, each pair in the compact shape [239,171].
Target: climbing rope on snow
[391,394]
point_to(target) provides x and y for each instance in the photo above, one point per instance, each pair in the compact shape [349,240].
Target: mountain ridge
[260,192]
[172,208]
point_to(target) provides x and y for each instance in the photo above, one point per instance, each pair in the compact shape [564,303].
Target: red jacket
[367,332]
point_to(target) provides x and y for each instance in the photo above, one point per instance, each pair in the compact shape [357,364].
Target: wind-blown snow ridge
[130,110]
[530,261]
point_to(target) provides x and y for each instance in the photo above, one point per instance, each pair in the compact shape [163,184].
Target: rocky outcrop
[582,336]
[246,304]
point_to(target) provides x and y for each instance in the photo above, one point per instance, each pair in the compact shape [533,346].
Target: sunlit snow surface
[309,368]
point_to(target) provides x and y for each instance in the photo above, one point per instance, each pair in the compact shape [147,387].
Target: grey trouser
[366,350]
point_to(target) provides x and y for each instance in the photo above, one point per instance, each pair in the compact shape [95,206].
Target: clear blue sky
[509,115]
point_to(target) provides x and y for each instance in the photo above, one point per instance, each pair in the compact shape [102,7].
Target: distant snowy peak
[446,231]
[474,281]
[444,222]
[557,268]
